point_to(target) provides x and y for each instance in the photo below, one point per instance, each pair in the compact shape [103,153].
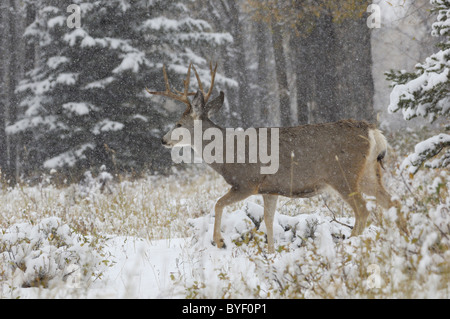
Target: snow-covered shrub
[242,226]
[90,185]
[426,150]
[47,253]
[426,93]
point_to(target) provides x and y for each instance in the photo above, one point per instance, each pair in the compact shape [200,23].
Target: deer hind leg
[232,196]
[270,204]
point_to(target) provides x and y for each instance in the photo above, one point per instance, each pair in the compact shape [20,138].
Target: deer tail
[380,145]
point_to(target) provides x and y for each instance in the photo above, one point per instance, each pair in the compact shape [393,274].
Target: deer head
[198,109]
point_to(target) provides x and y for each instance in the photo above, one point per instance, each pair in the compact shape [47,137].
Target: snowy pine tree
[426,92]
[84,104]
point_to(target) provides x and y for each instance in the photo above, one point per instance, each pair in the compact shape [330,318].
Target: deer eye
[178,125]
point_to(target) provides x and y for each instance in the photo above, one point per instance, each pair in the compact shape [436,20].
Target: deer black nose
[163,142]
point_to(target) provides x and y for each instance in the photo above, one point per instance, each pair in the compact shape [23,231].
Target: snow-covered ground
[152,238]
[142,268]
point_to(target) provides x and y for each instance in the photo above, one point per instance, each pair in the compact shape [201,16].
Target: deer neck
[201,140]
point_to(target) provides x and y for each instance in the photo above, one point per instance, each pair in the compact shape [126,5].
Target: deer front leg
[234,195]
[270,204]
[358,204]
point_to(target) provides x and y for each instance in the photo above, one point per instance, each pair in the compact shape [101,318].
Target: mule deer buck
[345,156]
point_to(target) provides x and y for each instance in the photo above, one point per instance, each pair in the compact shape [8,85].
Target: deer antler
[200,85]
[183,96]
[179,96]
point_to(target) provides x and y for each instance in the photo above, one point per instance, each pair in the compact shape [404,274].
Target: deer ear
[198,103]
[213,106]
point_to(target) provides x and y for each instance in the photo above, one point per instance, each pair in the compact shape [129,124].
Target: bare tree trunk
[280,69]
[334,71]
[354,57]
[3,76]
[327,108]
[316,72]
[244,106]
[262,72]
[10,76]
[301,63]
[14,73]
[30,49]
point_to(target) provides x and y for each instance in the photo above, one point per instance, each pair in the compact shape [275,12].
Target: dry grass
[154,207]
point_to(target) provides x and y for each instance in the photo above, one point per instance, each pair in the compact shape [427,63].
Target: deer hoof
[220,243]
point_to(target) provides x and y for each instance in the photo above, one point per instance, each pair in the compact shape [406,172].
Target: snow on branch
[68,158]
[426,92]
[131,62]
[426,150]
[421,93]
[163,23]
[442,26]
